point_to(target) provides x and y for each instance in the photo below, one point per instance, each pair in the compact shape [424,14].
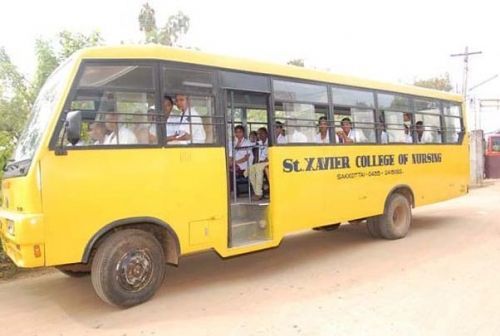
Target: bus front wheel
[395,222]
[128,268]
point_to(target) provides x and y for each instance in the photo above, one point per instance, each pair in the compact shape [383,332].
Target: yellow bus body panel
[65,200]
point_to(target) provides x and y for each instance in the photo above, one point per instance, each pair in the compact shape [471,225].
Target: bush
[7,267]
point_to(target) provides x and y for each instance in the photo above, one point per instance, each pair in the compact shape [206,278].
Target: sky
[392,41]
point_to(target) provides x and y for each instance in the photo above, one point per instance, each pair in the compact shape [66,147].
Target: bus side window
[453,130]
[298,107]
[117,100]
[427,121]
[193,119]
[354,113]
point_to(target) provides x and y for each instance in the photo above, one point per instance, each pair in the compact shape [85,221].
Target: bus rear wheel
[395,222]
[128,268]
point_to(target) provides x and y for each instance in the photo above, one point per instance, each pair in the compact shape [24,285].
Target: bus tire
[128,268]
[396,220]
[373,226]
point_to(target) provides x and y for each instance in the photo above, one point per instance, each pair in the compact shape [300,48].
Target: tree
[50,54]
[441,83]
[176,26]
[17,94]
[296,61]
[15,102]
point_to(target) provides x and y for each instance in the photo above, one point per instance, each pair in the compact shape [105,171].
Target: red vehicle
[492,157]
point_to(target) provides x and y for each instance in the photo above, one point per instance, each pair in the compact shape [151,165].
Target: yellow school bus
[134,156]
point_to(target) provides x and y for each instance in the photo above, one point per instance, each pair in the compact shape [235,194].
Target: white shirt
[281,139]
[262,150]
[298,137]
[356,135]
[318,139]
[426,137]
[125,137]
[408,138]
[241,153]
[384,138]
[188,122]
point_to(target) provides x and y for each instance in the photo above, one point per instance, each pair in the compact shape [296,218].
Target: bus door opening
[247,149]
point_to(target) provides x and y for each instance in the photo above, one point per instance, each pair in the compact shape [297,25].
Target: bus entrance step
[243,233]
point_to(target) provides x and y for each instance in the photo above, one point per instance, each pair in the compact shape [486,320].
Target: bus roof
[159,52]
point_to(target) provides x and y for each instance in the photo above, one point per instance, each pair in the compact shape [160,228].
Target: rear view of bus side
[137,155]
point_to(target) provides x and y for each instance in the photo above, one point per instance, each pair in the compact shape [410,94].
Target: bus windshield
[41,113]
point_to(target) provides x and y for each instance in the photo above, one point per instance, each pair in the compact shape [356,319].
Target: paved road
[443,279]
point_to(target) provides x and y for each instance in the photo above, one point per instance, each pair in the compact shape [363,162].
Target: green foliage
[297,62]
[441,83]
[176,26]
[15,102]
[17,94]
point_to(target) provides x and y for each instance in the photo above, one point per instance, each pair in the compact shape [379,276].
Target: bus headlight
[11,228]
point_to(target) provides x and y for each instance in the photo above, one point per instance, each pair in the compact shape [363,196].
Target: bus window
[452,131]
[298,107]
[397,118]
[192,121]
[117,105]
[398,126]
[427,121]
[354,112]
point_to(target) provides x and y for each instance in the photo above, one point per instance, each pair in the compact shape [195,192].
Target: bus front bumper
[22,236]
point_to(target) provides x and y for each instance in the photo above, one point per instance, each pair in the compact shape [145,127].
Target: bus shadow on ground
[206,272]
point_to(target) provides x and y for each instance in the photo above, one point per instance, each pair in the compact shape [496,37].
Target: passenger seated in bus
[188,126]
[240,153]
[144,129]
[408,138]
[423,135]
[296,136]
[348,134]
[97,133]
[256,171]
[280,138]
[168,105]
[323,135]
[253,137]
[118,134]
[384,138]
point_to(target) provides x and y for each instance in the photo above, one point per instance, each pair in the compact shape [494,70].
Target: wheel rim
[399,216]
[135,270]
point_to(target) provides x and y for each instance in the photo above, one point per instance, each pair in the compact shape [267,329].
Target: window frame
[374,110]
[215,94]
[272,111]
[54,140]
[218,92]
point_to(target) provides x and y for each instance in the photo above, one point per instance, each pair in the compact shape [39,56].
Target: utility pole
[466,55]
[476,148]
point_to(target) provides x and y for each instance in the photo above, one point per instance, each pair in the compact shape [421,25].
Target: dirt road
[443,279]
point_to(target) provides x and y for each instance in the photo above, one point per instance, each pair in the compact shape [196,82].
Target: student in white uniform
[240,151]
[256,171]
[349,134]
[323,135]
[97,133]
[240,154]
[407,138]
[278,133]
[117,134]
[295,135]
[186,127]
[168,105]
[423,136]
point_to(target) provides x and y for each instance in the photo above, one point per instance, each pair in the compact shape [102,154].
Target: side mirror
[73,126]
